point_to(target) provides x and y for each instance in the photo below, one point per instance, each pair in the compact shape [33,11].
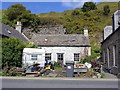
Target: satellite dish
[88,65]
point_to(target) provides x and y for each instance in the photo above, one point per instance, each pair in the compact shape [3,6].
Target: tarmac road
[38,82]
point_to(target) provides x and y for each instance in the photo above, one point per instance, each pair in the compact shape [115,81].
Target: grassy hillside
[95,20]
[0,15]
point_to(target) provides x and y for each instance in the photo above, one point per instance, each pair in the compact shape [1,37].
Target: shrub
[12,52]
[76,12]
[106,10]
[57,65]
[88,6]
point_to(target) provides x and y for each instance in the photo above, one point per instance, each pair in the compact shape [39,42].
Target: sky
[44,7]
[39,7]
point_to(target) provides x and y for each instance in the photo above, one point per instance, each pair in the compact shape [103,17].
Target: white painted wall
[68,52]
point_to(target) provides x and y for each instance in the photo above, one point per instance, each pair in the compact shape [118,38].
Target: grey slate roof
[10,32]
[61,40]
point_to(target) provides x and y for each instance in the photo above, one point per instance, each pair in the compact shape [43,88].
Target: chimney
[85,31]
[19,27]
[115,20]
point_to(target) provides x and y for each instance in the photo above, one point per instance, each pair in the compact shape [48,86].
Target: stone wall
[112,40]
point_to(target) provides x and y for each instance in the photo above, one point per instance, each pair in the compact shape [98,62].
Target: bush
[88,6]
[4,73]
[57,65]
[82,61]
[87,14]
[106,10]
[12,52]
[89,58]
[76,12]
[12,72]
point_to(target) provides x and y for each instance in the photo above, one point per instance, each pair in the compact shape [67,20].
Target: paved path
[109,76]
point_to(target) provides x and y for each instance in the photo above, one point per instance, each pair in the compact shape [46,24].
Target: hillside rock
[51,29]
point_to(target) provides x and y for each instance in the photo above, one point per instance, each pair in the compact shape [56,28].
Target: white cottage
[59,47]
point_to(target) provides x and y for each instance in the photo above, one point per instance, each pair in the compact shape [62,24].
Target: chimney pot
[86,32]
[19,27]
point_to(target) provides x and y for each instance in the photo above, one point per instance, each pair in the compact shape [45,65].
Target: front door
[60,57]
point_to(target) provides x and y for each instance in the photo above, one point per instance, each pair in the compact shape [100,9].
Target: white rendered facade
[68,54]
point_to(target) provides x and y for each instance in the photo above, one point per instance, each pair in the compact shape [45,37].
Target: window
[114,55]
[76,56]
[48,56]
[34,57]
[60,56]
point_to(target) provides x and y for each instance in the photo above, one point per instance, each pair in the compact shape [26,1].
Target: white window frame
[61,56]
[48,55]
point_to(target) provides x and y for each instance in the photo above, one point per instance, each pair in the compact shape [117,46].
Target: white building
[33,55]
[59,47]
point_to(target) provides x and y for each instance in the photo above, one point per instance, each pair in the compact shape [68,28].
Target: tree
[88,6]
[25,18]
[12,51]
[106,10]
[18,12]
[14,11]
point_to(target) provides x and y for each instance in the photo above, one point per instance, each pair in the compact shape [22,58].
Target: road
[38,82]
